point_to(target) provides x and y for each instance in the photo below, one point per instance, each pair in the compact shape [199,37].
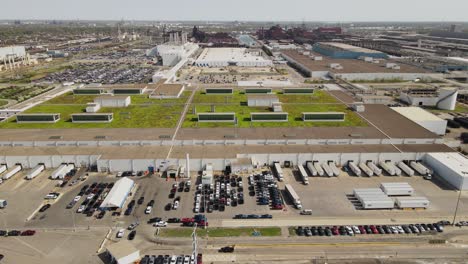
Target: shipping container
[3,168]
[35,171]
[295,198]
[327,169]
[395,189]
[412,202]
[12,172]
[59,171]
[311,168]
[354,168]
[319,169]
[419,167]
[387,168]
[333,167]
[367,171]
[374,168]
[303,173]
[405,168]
[378,204]
[279,171]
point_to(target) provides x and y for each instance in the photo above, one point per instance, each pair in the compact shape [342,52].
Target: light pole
[458,202]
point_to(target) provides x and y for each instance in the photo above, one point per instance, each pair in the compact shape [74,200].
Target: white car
[133,225]
[199,187]
[119,174]
[121,233]
[394,230]
[77,198]
[160,224]
[356,230]
[90,196]
[197,208]
[400,229]
[148,210]
[186,259]
[80,209]
[175,205]
[349,230]
[188,183]
[240,184]
[173,260]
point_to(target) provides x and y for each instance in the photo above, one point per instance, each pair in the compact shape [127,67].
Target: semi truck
[278,170]
[294,196]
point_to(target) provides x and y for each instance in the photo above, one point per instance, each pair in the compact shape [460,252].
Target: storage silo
[447,98]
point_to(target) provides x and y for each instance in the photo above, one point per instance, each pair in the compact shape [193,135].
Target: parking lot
[329,196]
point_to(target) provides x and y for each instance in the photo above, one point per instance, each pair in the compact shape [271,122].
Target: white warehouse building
[423,118]
[451,166]
[223,57]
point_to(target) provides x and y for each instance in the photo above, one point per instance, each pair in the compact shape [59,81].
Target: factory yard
[328,198]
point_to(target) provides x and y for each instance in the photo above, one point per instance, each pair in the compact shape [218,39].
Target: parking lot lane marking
[30,246]
[337,244]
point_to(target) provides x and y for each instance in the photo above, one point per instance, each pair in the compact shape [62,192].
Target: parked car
[160,224]
[132,235]
[133,225]
[227,249]
[148,210]
[44,208]
[28,233]
[120,233]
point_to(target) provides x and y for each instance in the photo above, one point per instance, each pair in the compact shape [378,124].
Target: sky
[241,10]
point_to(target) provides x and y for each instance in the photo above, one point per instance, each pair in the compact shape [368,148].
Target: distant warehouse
[344,51]
[223,57]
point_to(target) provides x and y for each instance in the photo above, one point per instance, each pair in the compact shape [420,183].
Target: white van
[306,212]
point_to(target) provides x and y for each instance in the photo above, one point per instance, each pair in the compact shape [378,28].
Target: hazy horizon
[241,10]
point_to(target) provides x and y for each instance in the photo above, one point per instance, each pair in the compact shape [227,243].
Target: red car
[335,231]
[374,229]
[28,233]
[277,207]
[200,258]
[362,229]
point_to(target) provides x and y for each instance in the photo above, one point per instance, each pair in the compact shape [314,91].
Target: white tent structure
[118,194]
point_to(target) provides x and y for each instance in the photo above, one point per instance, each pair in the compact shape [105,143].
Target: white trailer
[327,169]
[59,171]
[366,169]
[303,173]
[295,198]
[67,170]
[279,171]
[311,168]
[388,169]
[354,168]
[35,171]
[333,167]
[319,169]
[412,202]
[378,204]
[419,167]
[363,191]
[12,172]
[397,188]
[395,168]
[405,168]
[3,168]
[374,168]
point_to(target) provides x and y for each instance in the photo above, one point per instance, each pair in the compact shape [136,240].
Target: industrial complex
[219,147]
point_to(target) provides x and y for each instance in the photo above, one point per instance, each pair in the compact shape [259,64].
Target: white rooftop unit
[412,202]
[451,166]
[118,194]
